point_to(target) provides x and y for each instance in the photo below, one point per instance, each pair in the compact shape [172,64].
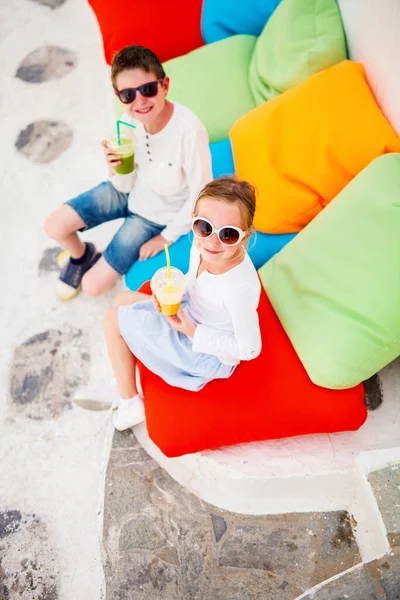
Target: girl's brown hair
[232,190]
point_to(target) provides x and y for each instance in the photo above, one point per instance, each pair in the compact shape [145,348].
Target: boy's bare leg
[100,278]
[122,360]
[62,225]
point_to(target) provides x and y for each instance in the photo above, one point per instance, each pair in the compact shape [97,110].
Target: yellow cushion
[303,147]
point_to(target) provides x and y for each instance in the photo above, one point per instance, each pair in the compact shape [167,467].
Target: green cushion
[213,82]
[336,286]
[300,39]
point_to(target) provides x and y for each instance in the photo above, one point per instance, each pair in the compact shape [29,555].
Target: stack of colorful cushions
[224,80]
[305,129]
[171,29]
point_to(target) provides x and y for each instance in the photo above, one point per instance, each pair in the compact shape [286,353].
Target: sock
[127,401]
[81,260]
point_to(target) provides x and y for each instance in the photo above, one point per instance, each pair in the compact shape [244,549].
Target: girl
[217,324]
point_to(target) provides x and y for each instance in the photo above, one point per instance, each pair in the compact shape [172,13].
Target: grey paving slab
[44,141]
[377,580]
[386,487]
[356,585]
[389,571]
[50,3]
[45,372]
[46,63]
[28,568]
[163,542]
[48,262]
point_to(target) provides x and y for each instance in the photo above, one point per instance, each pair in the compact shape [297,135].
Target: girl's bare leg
[128,298]
[122,360]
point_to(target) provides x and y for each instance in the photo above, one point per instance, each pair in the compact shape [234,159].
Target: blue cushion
[262,247]
[222,18]
[222,158]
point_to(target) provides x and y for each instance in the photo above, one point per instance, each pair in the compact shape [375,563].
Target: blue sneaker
[69,282]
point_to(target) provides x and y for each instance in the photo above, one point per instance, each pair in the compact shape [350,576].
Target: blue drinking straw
[119,122]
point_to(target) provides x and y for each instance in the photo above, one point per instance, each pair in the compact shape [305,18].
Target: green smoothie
[126,150]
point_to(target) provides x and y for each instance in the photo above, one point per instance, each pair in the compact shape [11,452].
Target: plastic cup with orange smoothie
[127,152]
[169,294]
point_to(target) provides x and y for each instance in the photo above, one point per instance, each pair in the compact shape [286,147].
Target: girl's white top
[224,307]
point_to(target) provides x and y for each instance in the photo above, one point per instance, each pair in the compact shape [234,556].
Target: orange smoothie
[168,300]
[169,294]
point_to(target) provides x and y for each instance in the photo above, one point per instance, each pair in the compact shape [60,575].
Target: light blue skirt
[166,352]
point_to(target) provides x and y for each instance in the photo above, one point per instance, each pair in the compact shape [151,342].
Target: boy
[172,165]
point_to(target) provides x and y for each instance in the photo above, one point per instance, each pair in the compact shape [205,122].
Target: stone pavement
[378,579]
[162,542]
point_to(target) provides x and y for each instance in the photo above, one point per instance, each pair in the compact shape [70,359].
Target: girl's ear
[248,233]
[246,238]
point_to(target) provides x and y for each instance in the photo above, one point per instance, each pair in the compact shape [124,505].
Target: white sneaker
[101,398]
[129,413]
[66,292]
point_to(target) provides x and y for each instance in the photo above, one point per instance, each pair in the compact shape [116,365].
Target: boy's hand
[181,323]
[112,158]
[152,247]
[156,303]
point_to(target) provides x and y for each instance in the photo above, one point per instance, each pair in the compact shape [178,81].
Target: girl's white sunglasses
[229,235]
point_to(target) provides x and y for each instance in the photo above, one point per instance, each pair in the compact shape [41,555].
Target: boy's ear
[165,85]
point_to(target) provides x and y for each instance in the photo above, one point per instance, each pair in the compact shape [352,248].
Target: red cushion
[266,398]
[165,27]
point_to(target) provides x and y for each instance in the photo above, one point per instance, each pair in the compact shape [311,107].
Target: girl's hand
[112,158]
[181,323]
[156,303]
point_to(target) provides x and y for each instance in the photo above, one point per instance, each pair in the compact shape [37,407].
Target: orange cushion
[166,27]
[303,147]
[266,398]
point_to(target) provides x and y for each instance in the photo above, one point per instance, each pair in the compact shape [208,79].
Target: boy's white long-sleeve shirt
[224,307]
[171,167]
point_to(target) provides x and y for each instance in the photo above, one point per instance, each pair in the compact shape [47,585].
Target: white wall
[373,36]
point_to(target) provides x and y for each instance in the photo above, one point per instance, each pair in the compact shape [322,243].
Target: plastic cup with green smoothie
[126,150]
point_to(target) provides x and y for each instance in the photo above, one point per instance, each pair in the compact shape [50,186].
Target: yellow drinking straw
[168,268]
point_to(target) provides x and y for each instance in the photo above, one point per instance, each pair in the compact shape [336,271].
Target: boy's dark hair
[136,57]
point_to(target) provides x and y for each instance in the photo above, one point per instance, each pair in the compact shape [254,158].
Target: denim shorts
[105,203]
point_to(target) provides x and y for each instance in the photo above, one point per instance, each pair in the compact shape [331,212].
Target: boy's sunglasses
[148,90]
[228,235]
